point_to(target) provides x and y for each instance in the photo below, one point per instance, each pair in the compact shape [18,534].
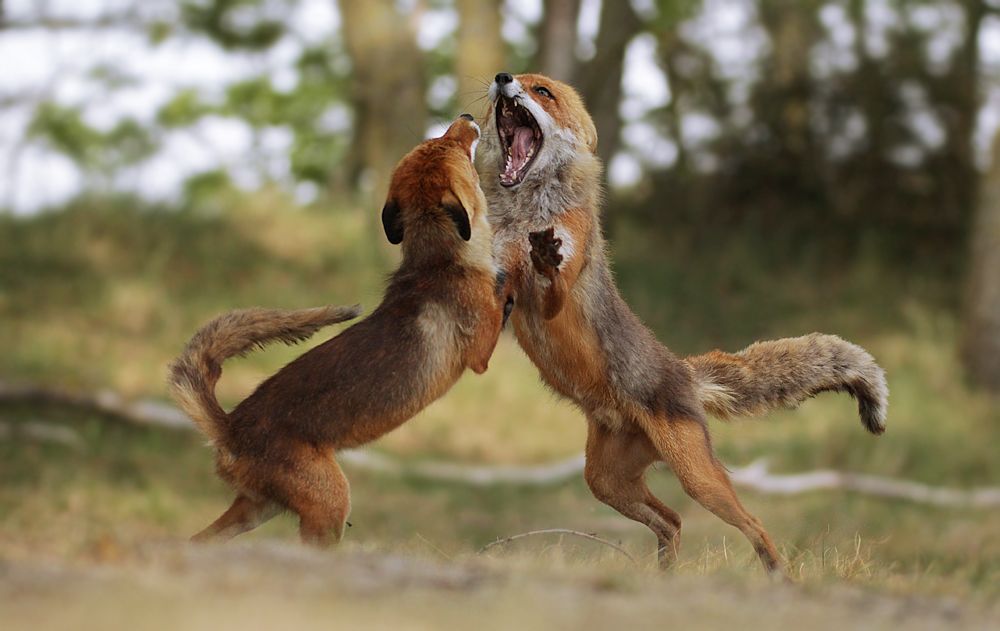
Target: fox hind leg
[318,492]
[684,444]
[244,515]
[615,472]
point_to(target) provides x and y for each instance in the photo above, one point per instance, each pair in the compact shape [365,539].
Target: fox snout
[504,84]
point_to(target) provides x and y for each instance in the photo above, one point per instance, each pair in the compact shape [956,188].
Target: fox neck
[547,192]
[434,248]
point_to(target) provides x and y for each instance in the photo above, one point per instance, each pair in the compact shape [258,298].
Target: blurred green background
[775,167]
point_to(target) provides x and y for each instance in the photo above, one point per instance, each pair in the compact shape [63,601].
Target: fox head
[434,191]
[535,126]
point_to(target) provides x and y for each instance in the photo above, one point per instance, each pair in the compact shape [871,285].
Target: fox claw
[545,251]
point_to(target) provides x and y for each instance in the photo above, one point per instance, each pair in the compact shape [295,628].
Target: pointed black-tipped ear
[391,222]
[458,215]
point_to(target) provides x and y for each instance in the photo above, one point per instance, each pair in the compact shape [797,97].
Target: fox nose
[503,78]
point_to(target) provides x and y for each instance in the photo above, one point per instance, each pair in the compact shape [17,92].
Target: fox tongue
[520,144]
[517,156]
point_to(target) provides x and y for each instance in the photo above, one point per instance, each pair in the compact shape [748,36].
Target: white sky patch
[835,54]
[989,40]
[649,146]
[728,28]
[437,129]
[43,179]
[646,9]
[697,128]
[880,18]
[336,118]
[435,26]
[644,86]
[281,58]
[586,28]
[527,10]
[946,26]
[314,21]
[624,170]
[988,122]
[517,15]
[70,9]
[441,90]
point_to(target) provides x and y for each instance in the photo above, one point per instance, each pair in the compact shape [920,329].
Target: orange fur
[541,178]
[442,313]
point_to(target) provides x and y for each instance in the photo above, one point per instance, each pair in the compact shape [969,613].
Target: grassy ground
[103,296]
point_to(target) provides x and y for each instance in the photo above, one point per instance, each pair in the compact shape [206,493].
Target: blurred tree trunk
[388,90]
[600,79]
[557,56]
[967,102]
[981,335]
[786,157]
[482,52]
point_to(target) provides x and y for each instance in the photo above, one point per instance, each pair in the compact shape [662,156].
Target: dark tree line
[839,121]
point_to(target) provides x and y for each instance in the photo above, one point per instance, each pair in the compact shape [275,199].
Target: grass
[104,293]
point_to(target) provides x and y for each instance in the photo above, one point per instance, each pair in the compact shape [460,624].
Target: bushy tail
[783,373]
[195,372]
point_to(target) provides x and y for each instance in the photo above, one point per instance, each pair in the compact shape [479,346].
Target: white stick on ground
[755,476]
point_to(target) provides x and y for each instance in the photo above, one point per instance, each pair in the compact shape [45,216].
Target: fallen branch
[475,475]
[142,412]
[755,476]
[559,531]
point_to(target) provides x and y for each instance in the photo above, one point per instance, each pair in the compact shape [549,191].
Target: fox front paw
[545,251]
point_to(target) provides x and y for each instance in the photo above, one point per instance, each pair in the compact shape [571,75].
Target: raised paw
[545,251]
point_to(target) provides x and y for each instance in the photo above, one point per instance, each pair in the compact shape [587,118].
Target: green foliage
[104,152]
[202,188]
[315,149]
[670,13]
[184,109]
[257,102]
[126,273]
[159,32]
[65,131]
[233,24]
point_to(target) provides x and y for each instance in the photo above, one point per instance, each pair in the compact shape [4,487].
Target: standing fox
[442,313]
[643,404]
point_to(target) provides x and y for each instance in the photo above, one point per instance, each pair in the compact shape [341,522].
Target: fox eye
[544,92]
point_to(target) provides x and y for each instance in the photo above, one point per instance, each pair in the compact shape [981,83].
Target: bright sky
[44,64]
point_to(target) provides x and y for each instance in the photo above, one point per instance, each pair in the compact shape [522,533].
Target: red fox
[643,404]
[442,313]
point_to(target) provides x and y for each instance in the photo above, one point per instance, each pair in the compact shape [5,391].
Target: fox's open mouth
[520,139]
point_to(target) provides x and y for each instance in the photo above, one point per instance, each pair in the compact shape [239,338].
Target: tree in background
[600,79]
[480,53]
[557,39]
[834,123]
[388,88]
[981,334]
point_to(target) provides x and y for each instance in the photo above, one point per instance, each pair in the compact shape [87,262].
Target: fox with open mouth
[643,404]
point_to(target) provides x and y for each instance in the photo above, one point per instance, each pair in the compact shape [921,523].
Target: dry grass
[103,299]
[269,585]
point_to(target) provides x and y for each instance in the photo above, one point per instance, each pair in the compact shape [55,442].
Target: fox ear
[456,211]
[391,222]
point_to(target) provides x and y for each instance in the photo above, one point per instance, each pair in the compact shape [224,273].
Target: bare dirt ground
[273,585]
